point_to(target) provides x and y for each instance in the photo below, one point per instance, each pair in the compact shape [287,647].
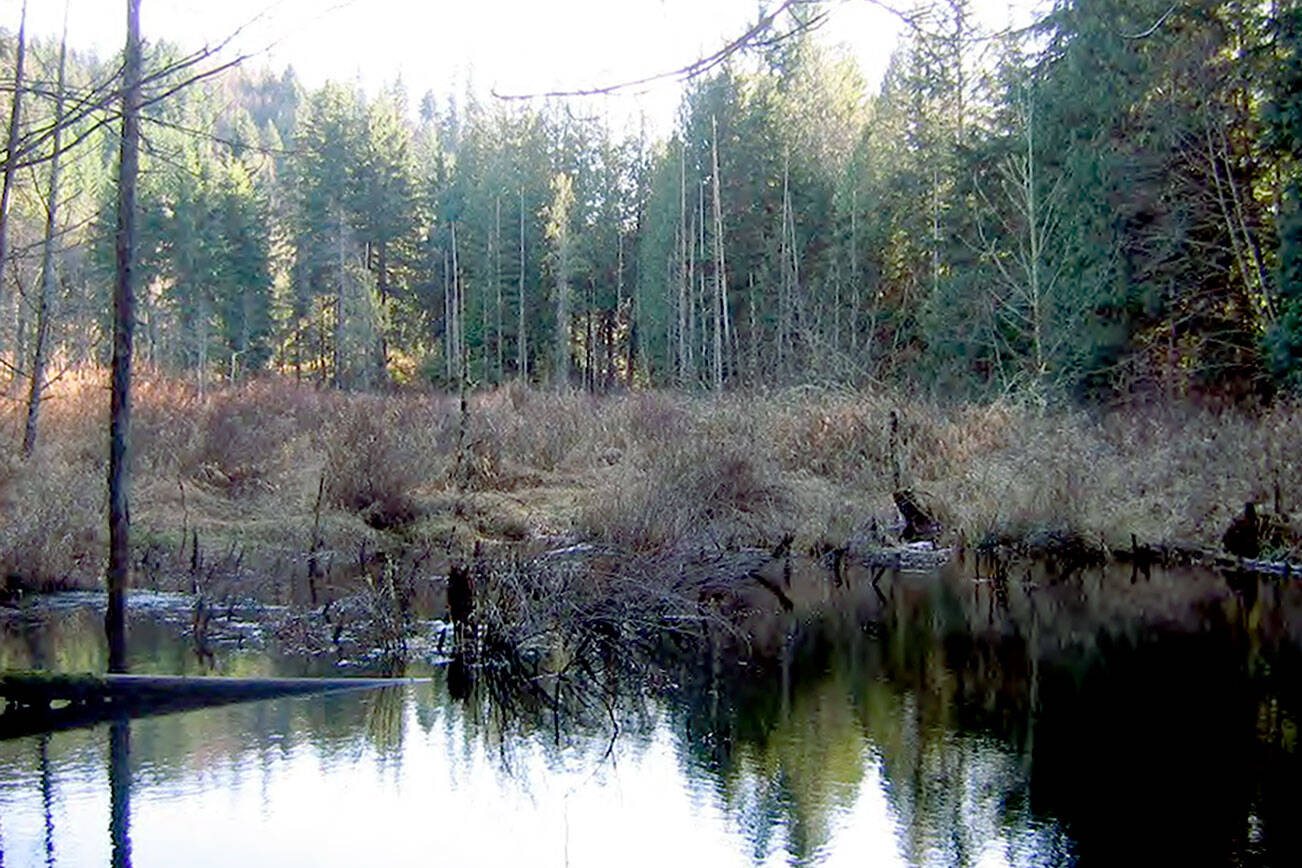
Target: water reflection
[120,792]
[951,720]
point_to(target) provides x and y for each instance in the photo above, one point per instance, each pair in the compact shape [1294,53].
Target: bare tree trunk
[612,375]
[458,314]
[119,565]
[1036,244]
[15,121]
[684,265]
[720,278]
[784,283]
[201,343]
[699,298]
[381,327]
[753,374]
[521,348]
[497,281]
[47,257]
[854,269]
[563,305]
[447,317]
[484,291]
[589,350]
[340,292]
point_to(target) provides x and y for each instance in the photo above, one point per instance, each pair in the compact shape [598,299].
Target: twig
[1156,24]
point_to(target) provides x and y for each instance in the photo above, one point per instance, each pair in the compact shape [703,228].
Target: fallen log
[36,700]
[916,557]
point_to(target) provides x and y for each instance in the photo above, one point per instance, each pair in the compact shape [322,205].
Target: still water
[1103,718]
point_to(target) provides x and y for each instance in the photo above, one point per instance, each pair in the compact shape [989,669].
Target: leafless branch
[696,68]
[1156,24]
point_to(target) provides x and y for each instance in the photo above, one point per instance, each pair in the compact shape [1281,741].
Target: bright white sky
[512,46]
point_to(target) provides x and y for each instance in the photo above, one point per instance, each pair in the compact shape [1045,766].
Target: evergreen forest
[1105,204]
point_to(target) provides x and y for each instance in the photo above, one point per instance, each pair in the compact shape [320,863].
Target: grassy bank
[272,476]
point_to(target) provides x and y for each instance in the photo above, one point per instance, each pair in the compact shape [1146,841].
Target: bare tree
[721,337]
[46,291]
[15,124]
[558,228]
[119,565]
[1026,282]
[521,348]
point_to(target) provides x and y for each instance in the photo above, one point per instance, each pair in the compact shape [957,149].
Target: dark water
[1099,719]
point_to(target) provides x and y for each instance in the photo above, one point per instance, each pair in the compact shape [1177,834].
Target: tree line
[1105,203]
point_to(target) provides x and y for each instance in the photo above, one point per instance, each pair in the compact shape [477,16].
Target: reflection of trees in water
[974,702]
[385,721]
[514,709]
[47,794]
[991,710]
[1008,717]
[119,774]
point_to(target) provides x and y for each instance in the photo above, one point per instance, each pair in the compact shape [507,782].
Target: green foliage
[1110,202]
[1283,117]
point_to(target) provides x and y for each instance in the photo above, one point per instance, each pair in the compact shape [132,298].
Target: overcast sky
[512,46]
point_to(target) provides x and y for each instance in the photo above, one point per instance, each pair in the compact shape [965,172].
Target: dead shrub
[52,525]
[842,441]
[719,493]
[241,447]
[377,453]
[656,416]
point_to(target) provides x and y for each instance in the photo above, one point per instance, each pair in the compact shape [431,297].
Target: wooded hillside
[1107,203]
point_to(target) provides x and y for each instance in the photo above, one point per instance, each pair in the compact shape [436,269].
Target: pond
[1101,718]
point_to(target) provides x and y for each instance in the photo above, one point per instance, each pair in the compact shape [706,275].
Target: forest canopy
[1107,203]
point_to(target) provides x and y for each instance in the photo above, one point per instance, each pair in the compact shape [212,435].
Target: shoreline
[274,478]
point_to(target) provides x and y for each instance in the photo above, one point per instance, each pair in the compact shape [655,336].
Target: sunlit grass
[267,465]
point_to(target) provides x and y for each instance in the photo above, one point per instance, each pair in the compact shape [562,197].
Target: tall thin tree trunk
[497,282]
[563,305]
[699,300]
[720,277]
[447,318]
[784,283]
[1034,221]
[612,375]
[11,155]
[753,335]
[935,233]
[201,341]
[322,354]
[589,350]
[521,348]
[381,327]
[485,367]
[47,257]
[119,565]
[458,315]
[854,270]
[684,265]
[340,295]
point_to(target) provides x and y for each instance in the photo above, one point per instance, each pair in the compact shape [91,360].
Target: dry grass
[649,471]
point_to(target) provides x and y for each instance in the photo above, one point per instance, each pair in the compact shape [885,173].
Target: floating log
[30,697]
[917,557]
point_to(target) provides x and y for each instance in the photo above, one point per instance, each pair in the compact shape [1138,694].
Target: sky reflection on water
[930,721]
[246,785]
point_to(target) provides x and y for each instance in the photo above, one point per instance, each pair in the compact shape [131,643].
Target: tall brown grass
[644,470]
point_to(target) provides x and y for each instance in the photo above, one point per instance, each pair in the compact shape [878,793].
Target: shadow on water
[953,719]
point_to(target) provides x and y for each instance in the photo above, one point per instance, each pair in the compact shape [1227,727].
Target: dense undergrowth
[290,476]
